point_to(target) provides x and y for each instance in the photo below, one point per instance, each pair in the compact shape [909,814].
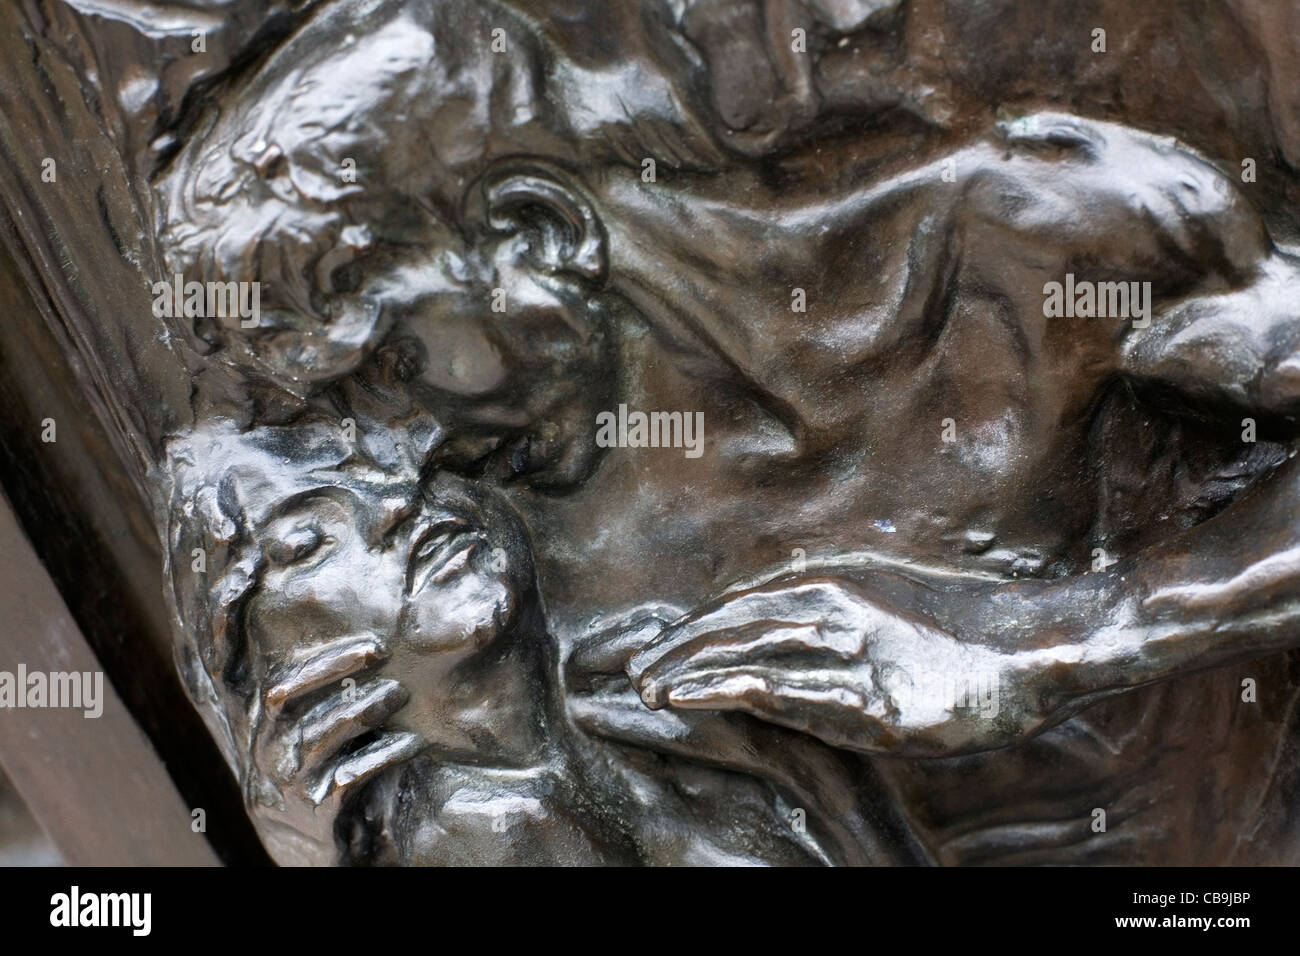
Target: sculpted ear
[544,206]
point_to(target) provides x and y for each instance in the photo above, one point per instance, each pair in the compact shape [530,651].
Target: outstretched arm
[876,662]
[880,663]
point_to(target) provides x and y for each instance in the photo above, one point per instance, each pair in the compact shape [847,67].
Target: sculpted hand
[816,655]
[305,762]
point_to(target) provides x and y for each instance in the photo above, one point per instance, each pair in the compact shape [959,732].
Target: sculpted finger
[818,706]
[780,604]
[750,644]
[388,751]
[624,719]
[326,664]
[608,653]
[346,716]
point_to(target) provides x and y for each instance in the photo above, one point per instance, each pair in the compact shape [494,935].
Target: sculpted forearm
[1029,654]
[1227,590]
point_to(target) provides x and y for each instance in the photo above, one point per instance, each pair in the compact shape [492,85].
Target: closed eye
[296,545]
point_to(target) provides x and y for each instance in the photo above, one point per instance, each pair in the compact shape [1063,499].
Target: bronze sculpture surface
[709,431]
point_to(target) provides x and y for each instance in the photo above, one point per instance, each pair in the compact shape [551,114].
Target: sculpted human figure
[947,456]
[981,561]
[371,649]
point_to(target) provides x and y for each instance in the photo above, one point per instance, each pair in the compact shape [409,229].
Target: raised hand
[305,760]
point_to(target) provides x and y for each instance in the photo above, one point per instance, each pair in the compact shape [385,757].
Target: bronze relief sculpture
[688,431]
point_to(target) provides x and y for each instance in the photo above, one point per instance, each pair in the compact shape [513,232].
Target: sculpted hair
[360,138]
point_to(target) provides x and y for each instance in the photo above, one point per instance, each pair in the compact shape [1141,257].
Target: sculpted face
[435,585]
[365,215]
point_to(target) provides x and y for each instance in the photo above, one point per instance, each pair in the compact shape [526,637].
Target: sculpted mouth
[439,551]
